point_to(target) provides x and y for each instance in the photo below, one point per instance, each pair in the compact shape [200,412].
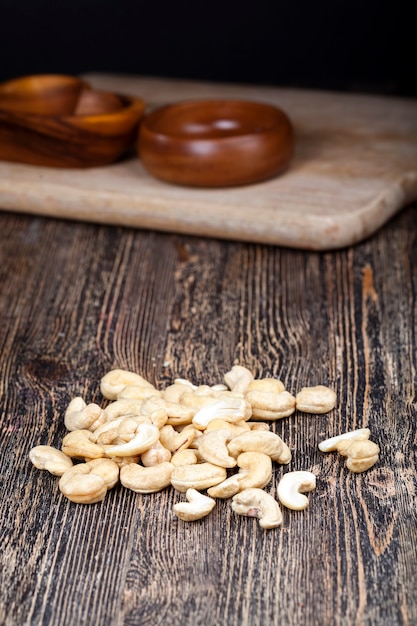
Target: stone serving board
[355,166]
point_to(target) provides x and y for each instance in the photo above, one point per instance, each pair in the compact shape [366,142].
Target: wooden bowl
[216,143]
[59,121]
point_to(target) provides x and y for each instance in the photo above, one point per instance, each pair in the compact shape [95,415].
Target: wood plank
[355,167]
[77,299]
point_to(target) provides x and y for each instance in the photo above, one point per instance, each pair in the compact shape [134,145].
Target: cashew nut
[259,469]
[173,440]
[176,413]
[236,429]
[238,379]
[173,393]
[137,392]
[268,405]
[79,444]
[231,409]
[258,503]
[116,380]
[50,459]
[198,506]
[267,385]
[361,455]
[343,441]
[155,454]
[107,469]
[200,476]
[82,416]
[291,488]
[146,436]
[229,487]
[261,441]
[318,399]
[146,479]
[185,456]
[213,447]
[121,408]
[81,485]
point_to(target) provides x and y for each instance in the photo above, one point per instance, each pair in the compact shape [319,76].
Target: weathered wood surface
[355,166]
[77,299]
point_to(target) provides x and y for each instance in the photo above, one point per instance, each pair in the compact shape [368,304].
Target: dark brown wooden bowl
[59,121]
[216,143]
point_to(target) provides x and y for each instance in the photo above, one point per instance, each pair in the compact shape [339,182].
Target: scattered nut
[291,488]
[79,484]
[198,506]
[258,503]
[79,444]
[343,441]
[80,416]
[50,459]
[146,479]
[230,409]
[238,379]
[146,436]
[270,405]
[261,441]
[116,380]
[318,399]
[199,476]
[188,436]
[361,455]
[213,447]
[259,469]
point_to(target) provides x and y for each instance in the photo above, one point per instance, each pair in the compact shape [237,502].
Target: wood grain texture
[355,166]
[77,299]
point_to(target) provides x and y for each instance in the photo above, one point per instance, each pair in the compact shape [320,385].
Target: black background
[358,46]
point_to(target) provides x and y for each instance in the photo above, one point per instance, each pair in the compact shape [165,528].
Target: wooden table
[78,299]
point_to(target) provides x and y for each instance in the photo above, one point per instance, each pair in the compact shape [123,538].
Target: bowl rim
[280,118]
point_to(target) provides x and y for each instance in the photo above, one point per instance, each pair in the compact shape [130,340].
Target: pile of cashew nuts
[196,438]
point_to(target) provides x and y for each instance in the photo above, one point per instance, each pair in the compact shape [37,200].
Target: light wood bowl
[216,143]
[58,121]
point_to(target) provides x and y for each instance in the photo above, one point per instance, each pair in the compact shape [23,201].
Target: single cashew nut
[137,392]
[260,504]
[79,484]
[231,409]
[185,456]
[173,440]
[236,429]
[361,455]
[267,385]
[121,408]
[146,436]
[81,416]
[259,469]
[198,506]
[238,379]
[229,487]
[213,447]
[50,459]
[107,469]
[261,441]
[155,454]
[146,479]
[200,476]
[343,441]
[291,488]
[173,393]
[267,405]
[79,444]
[116,380]
[318,399]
